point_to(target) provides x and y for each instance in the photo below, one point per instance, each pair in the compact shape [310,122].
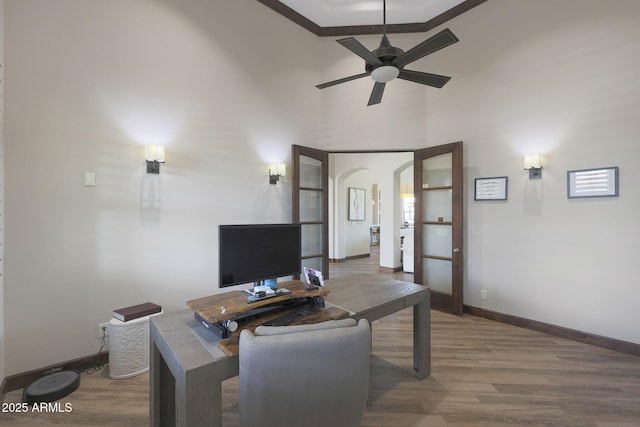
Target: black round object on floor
[52,387]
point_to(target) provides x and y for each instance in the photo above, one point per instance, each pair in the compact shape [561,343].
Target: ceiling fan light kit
[387,62]
[385,73]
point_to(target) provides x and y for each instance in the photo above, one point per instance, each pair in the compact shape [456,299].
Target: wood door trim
[353,30]
[323,157]
[451,303]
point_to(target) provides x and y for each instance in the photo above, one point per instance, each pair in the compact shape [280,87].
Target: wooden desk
[186,374]
[373,297]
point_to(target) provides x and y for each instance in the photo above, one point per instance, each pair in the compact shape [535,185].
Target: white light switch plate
[90,179]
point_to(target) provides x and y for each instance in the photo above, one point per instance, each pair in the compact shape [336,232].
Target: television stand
[232,306]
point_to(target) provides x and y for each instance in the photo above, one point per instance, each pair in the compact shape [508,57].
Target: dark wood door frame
[323,157]
[450,303]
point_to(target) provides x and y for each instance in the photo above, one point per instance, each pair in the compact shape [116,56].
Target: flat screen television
[256,252]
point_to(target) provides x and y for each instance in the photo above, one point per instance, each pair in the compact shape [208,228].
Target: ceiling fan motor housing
[386,54]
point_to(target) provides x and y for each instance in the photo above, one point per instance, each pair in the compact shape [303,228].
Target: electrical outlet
[102,330]
[483,294]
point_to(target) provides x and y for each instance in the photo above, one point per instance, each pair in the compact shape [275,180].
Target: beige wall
[559,78]
[89,82]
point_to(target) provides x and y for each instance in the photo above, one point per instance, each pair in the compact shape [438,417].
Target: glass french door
[438,227]
[310,201]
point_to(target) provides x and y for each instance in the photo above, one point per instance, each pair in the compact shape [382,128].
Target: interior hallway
[367,265]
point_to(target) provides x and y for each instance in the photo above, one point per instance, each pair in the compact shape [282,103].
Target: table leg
[180,398]
[198,397]
[422,337]
[161,387]
[154,385]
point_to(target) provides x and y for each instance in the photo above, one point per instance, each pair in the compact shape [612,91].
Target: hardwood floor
[483,374]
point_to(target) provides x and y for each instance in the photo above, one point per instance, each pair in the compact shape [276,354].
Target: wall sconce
[154,155]
[533,163]
[276,170]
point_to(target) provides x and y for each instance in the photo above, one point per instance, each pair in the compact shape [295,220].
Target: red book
[136,311]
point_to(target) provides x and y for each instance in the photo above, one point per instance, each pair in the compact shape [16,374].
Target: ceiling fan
[387,62]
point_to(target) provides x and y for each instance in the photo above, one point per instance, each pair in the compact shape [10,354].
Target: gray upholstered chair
[307,375]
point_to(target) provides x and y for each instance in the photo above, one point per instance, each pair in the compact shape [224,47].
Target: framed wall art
[356,204]
[600,182]
[491,188]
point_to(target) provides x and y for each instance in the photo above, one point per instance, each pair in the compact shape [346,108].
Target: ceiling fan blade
[435,80]
[434,43]
[356,47]
[376,93]
[342,80]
